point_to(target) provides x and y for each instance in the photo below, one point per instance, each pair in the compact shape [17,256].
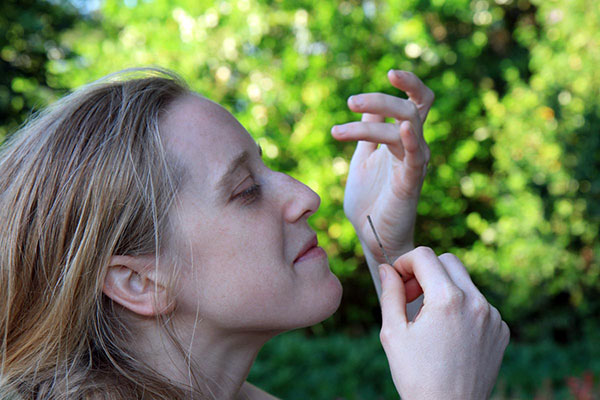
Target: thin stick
[379,241]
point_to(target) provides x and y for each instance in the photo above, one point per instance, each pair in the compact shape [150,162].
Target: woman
[147,252]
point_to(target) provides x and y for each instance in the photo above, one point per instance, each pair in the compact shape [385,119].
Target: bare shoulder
[249,391]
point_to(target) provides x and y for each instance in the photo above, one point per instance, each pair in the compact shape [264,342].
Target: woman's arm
[388,166]
[454,346]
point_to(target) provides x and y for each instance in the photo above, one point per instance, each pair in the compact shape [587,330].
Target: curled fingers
[416,90]
[401,139]
[385,105]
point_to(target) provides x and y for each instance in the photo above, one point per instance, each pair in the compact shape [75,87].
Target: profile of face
[249,260]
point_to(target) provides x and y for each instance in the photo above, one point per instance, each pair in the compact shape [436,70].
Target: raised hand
[389,164]
[454,347]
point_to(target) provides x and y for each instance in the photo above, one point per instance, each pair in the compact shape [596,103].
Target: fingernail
[398,73]
[381,273]
[339,129]
[356,100]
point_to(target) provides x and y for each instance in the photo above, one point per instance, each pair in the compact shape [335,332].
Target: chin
[336,295]
[330,297]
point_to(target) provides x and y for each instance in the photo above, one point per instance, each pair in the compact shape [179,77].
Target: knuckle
[497,317]
[423,251]
[494,311]
[505,333]
[385,297]
[480,306]
[413,109]
[448,257]
[430,96]
[385,335]
[452,298]
[505,328]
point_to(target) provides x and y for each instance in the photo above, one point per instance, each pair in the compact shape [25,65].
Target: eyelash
[249,195]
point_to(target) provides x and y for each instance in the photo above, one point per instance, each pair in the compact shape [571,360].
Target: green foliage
[29,38]
[539,226]
[293,366]
[513,183]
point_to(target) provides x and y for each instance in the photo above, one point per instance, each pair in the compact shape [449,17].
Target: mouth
[310,249]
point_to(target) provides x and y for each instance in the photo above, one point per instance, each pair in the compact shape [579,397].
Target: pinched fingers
[393,299]
[395,293]
[423,264]
[420,94]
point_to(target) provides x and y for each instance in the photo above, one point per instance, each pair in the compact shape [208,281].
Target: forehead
[203,135]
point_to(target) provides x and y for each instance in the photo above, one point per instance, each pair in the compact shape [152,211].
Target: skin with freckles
[249,264]
[250,267]
[243,234]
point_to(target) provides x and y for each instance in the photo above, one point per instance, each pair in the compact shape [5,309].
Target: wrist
[376,255]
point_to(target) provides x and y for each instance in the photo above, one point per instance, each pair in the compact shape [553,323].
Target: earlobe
[128,283]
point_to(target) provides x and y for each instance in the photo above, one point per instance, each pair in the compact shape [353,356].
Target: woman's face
[249,259]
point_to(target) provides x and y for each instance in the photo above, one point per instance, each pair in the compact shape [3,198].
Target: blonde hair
[85,179]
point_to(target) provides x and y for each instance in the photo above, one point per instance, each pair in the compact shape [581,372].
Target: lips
[312,243]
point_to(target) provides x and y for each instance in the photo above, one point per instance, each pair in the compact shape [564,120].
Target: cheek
[239,275]
[239,278]
[240,295]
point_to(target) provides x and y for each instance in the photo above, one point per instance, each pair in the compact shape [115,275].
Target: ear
[130,281]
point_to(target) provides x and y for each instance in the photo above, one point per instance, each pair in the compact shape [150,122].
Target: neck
[219,364]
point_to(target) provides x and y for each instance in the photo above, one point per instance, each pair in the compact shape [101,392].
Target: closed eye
[249,195]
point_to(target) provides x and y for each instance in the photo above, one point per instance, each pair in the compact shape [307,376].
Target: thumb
[393,297]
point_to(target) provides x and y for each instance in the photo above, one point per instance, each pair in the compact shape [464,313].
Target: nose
[300,201]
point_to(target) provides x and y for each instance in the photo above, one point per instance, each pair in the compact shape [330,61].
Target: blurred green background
[513,186]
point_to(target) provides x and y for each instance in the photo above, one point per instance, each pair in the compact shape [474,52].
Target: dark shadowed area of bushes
[294,366]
